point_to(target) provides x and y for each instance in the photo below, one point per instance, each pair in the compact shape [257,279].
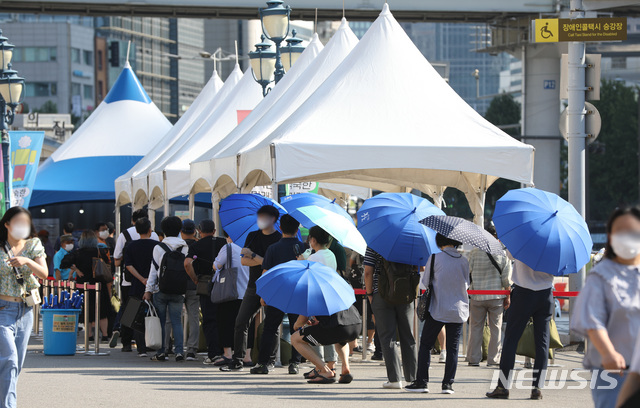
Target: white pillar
[192,205]
[576,139]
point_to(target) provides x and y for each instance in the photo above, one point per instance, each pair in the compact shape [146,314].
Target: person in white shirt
[164,302]
[128,235]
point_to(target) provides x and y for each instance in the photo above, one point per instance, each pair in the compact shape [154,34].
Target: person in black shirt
[254,250]
[138,256]
[200,261]
[283,251]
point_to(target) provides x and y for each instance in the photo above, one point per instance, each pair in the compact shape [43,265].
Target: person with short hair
[191,299]
[67,229]
[255,248]
[167,302]
[66,247]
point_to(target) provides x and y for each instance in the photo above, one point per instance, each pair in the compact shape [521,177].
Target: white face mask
[103,234]
[263,224]
[20,231]
[68,247]
[625,245]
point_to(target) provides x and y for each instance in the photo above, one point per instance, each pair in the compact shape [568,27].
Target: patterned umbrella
[464,231]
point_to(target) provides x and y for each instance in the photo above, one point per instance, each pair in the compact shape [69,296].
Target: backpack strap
[431,271]
[127,236]
[229,256]
[495,263]
[166,249]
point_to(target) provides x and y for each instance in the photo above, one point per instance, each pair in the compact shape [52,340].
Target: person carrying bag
[225,281]
[152,328]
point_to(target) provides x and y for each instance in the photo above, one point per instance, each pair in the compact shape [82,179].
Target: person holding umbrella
[449,308]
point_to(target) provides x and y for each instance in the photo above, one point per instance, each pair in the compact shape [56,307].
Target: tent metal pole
[215,204]
[192,205]
[164,188]
[274,184]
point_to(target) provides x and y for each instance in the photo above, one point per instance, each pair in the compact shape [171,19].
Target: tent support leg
[152,217]
[215,207]
[192,205]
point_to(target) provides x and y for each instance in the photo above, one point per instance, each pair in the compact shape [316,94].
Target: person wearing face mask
[102,232]
[66,246]
[607,310]
[22,262]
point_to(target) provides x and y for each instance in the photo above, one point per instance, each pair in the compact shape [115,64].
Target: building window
[99,60]
[75,55]
[35,54]
[87,57]
[619,62]
[76,89]
[41,89]
[100,90]
[88,91]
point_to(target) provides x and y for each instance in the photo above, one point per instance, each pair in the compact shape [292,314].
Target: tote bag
[225,283]
[152,328]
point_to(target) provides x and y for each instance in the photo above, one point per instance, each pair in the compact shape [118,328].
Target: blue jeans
[16,322]
[606,398]
[173,304]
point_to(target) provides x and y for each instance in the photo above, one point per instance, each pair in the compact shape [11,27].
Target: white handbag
[152,328]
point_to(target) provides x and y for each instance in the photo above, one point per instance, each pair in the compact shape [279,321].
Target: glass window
[76,89]
[53,54]
[99,59]
[75,55]
[88,91]
[17,55]
[29,54]
[41,88]
[87,57]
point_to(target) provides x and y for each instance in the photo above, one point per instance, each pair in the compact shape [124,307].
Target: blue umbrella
[305,288]
[543,231]
[341,229]
[389,222]
[238,214]
[294,201]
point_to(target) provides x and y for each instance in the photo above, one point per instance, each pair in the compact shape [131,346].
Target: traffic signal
[114,58]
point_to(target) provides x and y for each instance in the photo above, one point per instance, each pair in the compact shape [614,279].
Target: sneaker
[260,369]
[142,354]
[159,357]
[248,364]
[357,349]
[126,349]
[371,348]
[179,357]
[191,357]
[377,357]
[233,366]
[536,394]
[498,393]
[474,364]
[114,339]
[293,368]
[417,387]
[392,385]
[443,357]
[272,367]
[209,361]
[447,389]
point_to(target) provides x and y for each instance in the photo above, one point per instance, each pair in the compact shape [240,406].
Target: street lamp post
[275,26]
[11,94]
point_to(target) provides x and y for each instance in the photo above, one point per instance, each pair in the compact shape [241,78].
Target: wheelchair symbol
[545,33]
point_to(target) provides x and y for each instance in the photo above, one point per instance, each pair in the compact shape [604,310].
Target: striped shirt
[373,259]
[485,276]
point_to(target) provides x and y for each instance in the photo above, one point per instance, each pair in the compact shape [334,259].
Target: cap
[207,226]
[66,238]
[188,226]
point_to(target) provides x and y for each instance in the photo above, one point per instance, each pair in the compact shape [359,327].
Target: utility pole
[577,138]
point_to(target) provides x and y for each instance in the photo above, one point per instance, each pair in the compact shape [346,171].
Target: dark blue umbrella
[464,231]
[389,222]
[238,214]
[305,288]
[543,231]
[294,201]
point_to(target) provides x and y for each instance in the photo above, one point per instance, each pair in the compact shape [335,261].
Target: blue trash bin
[60,331]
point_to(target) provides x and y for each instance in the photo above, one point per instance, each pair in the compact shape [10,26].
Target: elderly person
[607,309]
[487,272]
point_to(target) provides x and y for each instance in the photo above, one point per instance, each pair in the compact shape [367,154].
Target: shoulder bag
[225,287]
[425,300]
[32,297]
[101,270]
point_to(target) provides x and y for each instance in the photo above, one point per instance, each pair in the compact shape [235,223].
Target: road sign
[592,125]
[580,29]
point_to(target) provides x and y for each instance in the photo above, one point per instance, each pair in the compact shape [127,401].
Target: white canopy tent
[169,176]
[125,191]
[386,117]
[218,167]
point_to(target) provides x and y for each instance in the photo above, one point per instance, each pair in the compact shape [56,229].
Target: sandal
[321,379]
[311,374]
[345,378]
[221,361]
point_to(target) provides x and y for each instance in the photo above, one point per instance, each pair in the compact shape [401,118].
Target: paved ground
[122,379]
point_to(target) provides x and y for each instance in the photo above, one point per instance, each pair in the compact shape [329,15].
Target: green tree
[47,107]
[613,158]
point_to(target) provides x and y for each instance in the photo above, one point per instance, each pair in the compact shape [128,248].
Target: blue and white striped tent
[122,130]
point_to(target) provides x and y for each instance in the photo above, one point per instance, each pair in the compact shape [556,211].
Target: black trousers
[526,303]
[227,314]
[248,309]
[428,339]
[210,326]
[126,333]
[270,336]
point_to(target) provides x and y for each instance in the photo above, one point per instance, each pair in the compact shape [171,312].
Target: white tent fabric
[170,177]
[385,116]
[124,187]
[224,163]
[201,168]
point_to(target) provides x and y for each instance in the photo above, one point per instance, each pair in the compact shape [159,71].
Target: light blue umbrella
[305,288]
[294,201]
[340,228]
[543,231]
[238,214]
[390,223]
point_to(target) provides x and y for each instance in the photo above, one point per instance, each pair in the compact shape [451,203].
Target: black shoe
[499,393]
[114,339]
[447,389]
[377,357]
[235,365]
[260,369]
[191,357]
[357,349]
[159,357]
[179,357]
[126,349]
[474,364]
[248,364]
[105,339]
[536,394]
[293,368]
[417,387]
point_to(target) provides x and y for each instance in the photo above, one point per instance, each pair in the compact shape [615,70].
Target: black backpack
[398,282]
[172,277]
